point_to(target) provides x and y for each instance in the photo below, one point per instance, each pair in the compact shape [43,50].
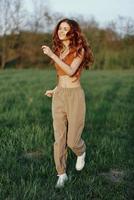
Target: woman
[70,54]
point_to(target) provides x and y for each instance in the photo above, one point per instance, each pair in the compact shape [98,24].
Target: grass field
[27,169]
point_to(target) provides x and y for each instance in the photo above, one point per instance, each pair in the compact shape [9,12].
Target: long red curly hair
[77,41]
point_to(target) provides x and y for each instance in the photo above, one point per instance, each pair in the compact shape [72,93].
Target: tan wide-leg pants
[68,113]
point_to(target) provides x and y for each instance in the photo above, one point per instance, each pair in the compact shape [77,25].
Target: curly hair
[77,42]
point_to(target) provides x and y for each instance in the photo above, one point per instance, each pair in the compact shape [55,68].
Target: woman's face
[64,28]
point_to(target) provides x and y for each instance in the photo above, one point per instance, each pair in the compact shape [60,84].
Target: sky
[102,10]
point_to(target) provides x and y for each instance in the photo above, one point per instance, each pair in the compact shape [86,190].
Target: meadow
[27,170]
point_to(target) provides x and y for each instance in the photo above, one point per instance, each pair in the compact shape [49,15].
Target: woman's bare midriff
[66,82]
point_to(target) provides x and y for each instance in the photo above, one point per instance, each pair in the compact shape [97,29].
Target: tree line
[23,32]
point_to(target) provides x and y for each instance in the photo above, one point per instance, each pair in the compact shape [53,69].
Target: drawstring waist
[68,91]
[69,88]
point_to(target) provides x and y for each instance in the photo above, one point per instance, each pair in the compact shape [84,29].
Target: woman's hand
[49,93]
[47,51]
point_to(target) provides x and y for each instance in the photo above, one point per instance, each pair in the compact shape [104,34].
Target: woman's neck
[66,44]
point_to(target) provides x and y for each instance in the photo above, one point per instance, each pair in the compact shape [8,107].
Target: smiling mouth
[61,35]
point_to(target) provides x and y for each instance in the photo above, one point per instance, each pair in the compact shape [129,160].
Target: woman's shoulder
[77,50]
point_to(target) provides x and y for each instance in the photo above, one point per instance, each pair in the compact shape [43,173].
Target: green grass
[27,169]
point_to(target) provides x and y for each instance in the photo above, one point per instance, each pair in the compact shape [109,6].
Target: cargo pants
[68,113]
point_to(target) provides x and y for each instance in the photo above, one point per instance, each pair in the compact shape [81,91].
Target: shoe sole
[56,186]
[79,169]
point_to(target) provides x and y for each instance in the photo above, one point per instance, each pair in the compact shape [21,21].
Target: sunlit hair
[77,41]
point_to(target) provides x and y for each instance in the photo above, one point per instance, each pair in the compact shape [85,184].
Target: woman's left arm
[69,69]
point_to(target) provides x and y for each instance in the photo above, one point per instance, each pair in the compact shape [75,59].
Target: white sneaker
[80,162]
[61,180]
